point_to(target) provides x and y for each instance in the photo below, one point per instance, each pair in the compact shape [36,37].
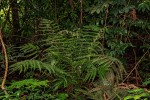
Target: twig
[136,65]
[6,63]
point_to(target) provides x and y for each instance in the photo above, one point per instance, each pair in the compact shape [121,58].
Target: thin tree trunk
[6,63]
[15,22]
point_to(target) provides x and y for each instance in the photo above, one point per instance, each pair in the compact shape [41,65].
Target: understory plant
[68,57]
[79,46]
[30,89]
[137,94]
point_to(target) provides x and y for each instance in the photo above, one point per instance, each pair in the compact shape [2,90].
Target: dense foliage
[75,49]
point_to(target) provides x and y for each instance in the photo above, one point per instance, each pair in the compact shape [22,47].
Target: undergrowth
[87,61]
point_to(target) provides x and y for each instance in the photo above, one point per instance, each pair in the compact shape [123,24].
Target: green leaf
[128,98]
[135,91]
[62,96]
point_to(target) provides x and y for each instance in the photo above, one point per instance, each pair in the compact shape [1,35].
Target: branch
[6,63]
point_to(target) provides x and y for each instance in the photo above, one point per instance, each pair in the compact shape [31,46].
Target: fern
[144,6]
[32,65]
[30,50]
[68,50]
[28,83]
[99,66]
[47,26]
[137,94]
[147,82]
[27,89]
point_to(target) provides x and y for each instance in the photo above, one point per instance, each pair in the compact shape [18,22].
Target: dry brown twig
[6,63]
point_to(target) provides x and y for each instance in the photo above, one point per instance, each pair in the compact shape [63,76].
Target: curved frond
[99,66]
[32,65]
[30,50]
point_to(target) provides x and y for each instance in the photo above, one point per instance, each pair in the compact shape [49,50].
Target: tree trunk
[16,33]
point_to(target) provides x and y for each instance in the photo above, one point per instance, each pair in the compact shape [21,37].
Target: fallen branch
[6,63]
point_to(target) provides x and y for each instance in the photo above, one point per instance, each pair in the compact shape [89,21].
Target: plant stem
[6,63]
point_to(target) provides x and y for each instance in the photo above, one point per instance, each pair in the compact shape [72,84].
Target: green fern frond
[100,65]
[48,26]
[118,67]
[30,50]
[65,47]
[28,83]
[32,65]
[103,69]
[91,73]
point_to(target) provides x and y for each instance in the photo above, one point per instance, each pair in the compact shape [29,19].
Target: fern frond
[118,68]
[100,65]
[32,65]
[30,50]
[48,26]
[91,73]
[67,49]
[28,83]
